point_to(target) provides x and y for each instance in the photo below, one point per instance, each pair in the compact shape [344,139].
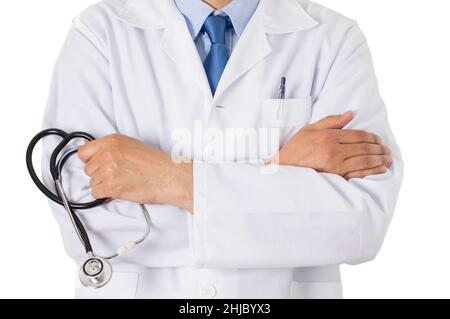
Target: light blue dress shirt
[196,11]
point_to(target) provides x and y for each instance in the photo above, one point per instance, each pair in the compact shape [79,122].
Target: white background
[410,44]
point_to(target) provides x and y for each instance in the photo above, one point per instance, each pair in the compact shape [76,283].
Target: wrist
[182,186]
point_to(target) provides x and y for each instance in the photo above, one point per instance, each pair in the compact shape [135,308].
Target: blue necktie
[218,56]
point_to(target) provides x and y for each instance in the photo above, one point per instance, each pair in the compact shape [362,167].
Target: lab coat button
[209,291]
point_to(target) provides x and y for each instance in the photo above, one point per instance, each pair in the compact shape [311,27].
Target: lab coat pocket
[316,290]
[288,115]
[123,285]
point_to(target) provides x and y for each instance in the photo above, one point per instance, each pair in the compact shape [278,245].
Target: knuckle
[108,166]
[111,159]
[108,153]
[113,165]
[357,134]
[113,138]
[364,136]
[111,154]
[96,193]
[343,134]
[107,171]
[115,191]
[326,136]
[108,180]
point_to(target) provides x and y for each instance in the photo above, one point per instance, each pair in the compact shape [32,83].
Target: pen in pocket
[281,95]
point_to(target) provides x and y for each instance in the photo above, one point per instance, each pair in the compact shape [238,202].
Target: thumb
[332,122]
[88,150]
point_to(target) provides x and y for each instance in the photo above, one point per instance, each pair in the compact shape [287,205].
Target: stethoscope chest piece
[95,272]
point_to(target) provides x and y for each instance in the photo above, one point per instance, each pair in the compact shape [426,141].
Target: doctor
[168,86]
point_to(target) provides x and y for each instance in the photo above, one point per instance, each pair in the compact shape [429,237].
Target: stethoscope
[96,271]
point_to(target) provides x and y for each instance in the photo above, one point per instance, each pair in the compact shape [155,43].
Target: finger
[96,180]
[91,167]
[357,136]
[360,163]
[332,122]
[364,173]
[359,149]
[99,192]
[88,150]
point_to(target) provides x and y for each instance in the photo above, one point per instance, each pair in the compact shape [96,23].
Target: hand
[325,147]
[123,168]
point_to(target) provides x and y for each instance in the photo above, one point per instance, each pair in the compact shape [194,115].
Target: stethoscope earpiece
[95,272]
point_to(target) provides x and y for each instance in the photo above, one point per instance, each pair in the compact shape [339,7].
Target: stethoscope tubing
[56,164]
[55,169]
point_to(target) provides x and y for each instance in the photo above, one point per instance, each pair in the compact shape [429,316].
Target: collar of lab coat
[272,16]
[280,16]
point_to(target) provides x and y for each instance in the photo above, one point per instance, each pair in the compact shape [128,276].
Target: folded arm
[305,214]
[311,211]
[80,99]
[298,216]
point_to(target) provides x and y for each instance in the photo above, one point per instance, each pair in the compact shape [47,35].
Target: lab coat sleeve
[297,217]
[81,100]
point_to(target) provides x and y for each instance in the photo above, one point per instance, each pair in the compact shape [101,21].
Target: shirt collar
[196,12]
[279,16]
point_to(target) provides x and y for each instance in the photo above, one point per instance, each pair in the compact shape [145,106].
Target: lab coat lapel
[177,43]
[252,47]
[176,40]
[271,17]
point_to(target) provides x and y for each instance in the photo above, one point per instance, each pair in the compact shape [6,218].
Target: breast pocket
[288,115]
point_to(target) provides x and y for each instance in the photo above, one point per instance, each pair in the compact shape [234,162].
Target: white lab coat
[131,67]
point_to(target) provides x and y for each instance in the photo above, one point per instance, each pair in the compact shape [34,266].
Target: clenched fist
[124,168]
